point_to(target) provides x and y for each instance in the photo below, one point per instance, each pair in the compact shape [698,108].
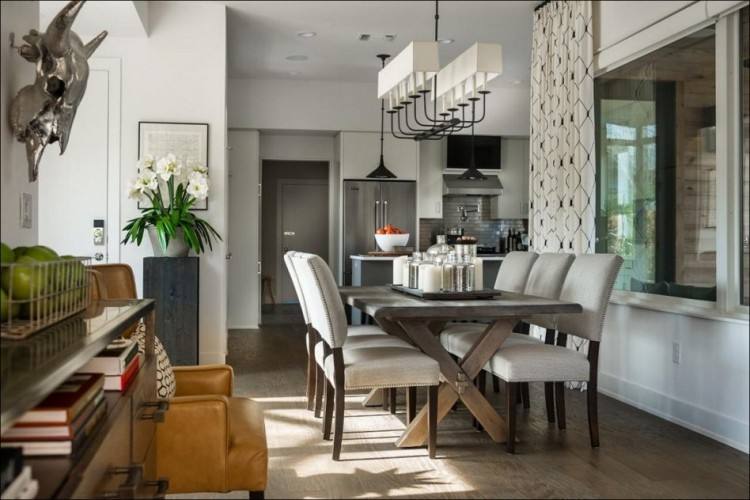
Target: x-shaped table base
[457,378]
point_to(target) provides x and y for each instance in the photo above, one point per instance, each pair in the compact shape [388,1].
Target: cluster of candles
[431,273]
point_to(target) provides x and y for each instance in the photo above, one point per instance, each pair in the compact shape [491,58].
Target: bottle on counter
[398,270]
[478,273]
[441,247]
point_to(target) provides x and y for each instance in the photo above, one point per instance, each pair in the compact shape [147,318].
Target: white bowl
[386,242]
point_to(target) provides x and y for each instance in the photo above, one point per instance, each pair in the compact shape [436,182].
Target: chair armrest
[192,444]
[203,379]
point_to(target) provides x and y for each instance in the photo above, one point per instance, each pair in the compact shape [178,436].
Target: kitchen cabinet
[514,202]
[431,156]
[360,153]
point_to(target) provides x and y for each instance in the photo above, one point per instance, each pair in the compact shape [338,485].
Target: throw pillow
[165,381]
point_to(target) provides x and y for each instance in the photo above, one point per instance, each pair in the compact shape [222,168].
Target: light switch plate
[26,210]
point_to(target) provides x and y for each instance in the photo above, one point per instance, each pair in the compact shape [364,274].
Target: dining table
[420,321]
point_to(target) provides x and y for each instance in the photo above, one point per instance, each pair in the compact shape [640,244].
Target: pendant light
[382,172]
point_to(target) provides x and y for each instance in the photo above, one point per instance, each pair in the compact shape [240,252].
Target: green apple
[24,279]
[20,251]
[6,308]
[6,254]
[42,253]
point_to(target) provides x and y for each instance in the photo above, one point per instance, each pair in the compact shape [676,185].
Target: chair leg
[525,395]
[386,399]
[411,404]
[560,404]
[320,380]
[432,400]
[256,495]
[510,419]
[549,401]
[338,429]
[328,412]
[495,384]
[591,396]
[481,383]
[311,382]
[392,393]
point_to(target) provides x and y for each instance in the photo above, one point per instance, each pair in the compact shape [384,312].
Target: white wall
[15,73]
[708,390]
[244,287]
[178,74]
[336,106]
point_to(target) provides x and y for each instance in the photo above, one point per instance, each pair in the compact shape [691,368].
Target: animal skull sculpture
[43,112]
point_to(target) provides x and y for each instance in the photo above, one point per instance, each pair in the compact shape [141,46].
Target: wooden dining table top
[383,301]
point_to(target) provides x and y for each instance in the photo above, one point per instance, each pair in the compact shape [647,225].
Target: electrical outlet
[676,353]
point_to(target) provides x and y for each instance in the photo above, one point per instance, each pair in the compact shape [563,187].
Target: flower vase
[175,248]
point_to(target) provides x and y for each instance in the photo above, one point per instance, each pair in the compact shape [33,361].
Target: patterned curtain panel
[562,181]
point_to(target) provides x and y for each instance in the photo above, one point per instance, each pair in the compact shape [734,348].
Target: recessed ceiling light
[296,57]
[306,34]
[446,40]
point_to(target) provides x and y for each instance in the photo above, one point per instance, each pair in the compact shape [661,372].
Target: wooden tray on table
[486,293]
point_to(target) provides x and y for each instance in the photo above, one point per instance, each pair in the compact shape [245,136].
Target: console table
[119,460]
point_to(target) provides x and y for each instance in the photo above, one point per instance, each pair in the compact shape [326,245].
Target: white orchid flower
[148,180]
[199,168]
[198,188]
[134,191]
[147,162]
[168,166]
[197,176]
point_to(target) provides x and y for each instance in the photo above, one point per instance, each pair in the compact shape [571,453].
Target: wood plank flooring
[641,456]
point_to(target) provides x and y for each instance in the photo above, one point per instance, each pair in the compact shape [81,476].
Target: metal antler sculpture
[43,112]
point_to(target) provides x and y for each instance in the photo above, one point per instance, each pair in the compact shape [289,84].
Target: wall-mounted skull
[43,112]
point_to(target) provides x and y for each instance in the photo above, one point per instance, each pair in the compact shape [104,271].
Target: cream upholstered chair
[378,367]
[360,336]
[589,282]
[545,279]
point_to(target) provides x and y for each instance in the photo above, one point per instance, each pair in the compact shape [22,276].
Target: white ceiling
[261,34]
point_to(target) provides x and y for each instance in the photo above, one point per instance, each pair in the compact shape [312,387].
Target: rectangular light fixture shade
[479,64]
[416,64]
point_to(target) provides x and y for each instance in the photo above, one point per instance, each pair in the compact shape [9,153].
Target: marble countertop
[381,257]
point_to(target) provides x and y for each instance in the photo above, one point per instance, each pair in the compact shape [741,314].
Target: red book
[61,432]
[122,382]
[67,402]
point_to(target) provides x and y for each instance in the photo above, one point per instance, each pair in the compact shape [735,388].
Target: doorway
[295,216]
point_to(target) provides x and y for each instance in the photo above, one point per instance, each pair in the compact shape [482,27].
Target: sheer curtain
[562,173]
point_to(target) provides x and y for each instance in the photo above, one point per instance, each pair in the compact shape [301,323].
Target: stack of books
[119,363]
[63,422]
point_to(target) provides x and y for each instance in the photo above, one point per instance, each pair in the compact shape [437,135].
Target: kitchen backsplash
[478,224]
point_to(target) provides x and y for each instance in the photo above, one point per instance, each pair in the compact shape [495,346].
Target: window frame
[728,305]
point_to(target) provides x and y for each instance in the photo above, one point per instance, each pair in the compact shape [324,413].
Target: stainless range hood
[454,185]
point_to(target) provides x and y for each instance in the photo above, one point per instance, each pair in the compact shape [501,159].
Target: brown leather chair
[209,441]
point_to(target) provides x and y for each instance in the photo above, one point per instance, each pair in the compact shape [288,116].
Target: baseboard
[722,428]
[209,358]
[243,327]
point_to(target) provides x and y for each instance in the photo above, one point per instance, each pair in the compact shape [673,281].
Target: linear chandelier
[454,91]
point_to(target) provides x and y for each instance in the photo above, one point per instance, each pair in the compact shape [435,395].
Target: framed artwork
[187,141]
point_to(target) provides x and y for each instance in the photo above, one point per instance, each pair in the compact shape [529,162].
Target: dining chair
[362,336]
[545,279]
[381,367]
[589,282]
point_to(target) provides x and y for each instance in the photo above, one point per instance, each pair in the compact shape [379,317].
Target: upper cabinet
[430,185]
[514,202]
[360,154]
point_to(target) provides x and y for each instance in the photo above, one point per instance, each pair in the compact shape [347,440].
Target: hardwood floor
[640,455]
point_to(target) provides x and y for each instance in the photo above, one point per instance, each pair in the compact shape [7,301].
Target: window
[656,179]
[745,113]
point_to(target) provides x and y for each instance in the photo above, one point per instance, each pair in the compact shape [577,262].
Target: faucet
[465,211]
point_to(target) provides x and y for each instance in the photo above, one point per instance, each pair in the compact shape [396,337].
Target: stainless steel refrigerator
[369,205]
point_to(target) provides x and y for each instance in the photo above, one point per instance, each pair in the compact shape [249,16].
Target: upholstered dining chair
[589,283]
[544,280]
[359,336]
[382,367]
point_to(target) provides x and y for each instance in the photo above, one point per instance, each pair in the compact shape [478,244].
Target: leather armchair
[209,441]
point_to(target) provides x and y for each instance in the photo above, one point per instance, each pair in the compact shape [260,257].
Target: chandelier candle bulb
[430,278]
[398,270]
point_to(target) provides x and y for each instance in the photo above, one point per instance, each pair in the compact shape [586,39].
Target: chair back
[324,307]
[548,274]
[589,282]
[288,260]
[514,271]
[118,281]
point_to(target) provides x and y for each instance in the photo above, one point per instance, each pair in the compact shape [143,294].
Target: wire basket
[40,294]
